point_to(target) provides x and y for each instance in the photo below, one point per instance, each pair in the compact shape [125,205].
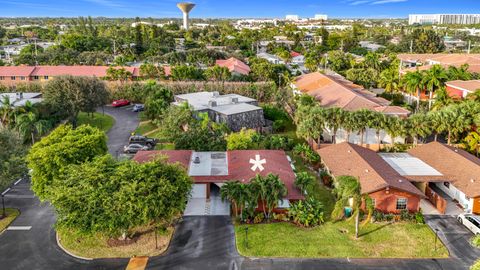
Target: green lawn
[96,246]
[398,240]
[145,127]
[99,120]
[12,214]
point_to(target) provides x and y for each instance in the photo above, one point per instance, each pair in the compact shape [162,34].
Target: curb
[68,252]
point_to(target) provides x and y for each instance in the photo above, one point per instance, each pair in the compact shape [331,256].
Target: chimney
[212,103]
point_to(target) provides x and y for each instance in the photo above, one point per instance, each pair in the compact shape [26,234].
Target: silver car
[134,148]
[472,222]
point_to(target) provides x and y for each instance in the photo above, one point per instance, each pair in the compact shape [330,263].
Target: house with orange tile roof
[460,89]
[235,66]
[336,91]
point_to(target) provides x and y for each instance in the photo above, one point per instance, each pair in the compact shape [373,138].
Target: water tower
[185,7]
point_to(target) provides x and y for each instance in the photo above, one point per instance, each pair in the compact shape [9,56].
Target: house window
[401,204]
[446,184]
[22,78]
[35,77]
[374,203]
[13,78]
[2,78]
[45,77]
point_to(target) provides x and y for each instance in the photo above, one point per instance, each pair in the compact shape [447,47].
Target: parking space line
[19,228]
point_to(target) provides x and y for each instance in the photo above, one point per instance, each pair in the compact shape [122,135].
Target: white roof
[224,104]
[16,101]
[407,165]
[211,164]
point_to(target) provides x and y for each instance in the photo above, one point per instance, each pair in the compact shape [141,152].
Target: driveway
[126,121]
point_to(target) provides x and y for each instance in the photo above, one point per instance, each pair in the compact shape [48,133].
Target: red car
[120,103]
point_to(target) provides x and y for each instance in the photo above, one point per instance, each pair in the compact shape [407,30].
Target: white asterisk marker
[257,163]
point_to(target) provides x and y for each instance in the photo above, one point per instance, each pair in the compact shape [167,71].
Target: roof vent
[366,170]
[212,103]
[456,150]
[349,151]
[234,100]
[196,160]
[471,180]
[400,180]
[215,94]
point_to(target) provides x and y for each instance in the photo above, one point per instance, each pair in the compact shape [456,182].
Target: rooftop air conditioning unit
[216,94]
[234,100]
[196,160]
[212,103]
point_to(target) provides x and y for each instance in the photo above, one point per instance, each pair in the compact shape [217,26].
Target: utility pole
[469,46]
[411,46]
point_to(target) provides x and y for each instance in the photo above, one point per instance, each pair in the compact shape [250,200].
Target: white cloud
[106,3]
[381,2]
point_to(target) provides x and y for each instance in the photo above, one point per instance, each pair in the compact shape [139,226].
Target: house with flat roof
[210,170]
[234,110]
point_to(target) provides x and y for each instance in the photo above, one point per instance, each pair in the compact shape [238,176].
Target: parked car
[134,148]
[142,140]
[472,222]
[120,103]
[138,108]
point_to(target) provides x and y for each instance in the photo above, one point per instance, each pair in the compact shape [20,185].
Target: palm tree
[311,124]
[363,119]
[418,125]
[459,73]
[378,123]
[28,124]
[442,99]
[450,120]
[335,118]
[433,80]
[230,192]
[472,142]
[348,193]
[303,181]
[6,110]
[389,80]
[349,124]
[394,128]
[413,83]
[271,190]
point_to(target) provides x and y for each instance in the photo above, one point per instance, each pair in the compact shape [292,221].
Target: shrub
[279,125]
[278,142]
[419,218]
[307,213]
[306,153]
[304,180]
[258,218]
[475,241]
[280,217]
[326,178]
[476,266]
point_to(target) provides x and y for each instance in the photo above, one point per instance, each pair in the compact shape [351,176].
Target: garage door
[199,191]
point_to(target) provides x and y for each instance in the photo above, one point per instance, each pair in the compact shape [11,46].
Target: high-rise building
[444,19]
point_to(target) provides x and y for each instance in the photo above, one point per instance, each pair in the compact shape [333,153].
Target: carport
[200,204]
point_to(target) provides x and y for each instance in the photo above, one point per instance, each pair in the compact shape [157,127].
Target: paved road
[126,122]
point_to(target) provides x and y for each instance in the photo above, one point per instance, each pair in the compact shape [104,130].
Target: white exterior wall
[456,194]
[370,137]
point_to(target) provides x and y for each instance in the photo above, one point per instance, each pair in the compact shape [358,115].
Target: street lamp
[436,238]
[4,214]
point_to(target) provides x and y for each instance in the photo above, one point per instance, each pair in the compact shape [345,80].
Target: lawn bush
[259,217]
[278,142]
[404,215]
[476,266]
[306,153]
[327,179]
[475,241]
[308,213]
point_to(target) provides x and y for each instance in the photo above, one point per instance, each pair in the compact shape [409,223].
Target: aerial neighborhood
[192,140]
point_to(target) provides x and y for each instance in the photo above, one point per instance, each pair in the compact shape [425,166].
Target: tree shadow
[374,230]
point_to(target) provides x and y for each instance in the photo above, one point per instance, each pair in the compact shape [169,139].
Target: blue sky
[236,8]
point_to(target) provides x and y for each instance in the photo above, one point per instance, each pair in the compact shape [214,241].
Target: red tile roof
[331,91]
[239,166]
[234,65]
[97,71]
[470,86]
[444,59]
[16,71]
[372,171]
[294,54]
[457,165]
